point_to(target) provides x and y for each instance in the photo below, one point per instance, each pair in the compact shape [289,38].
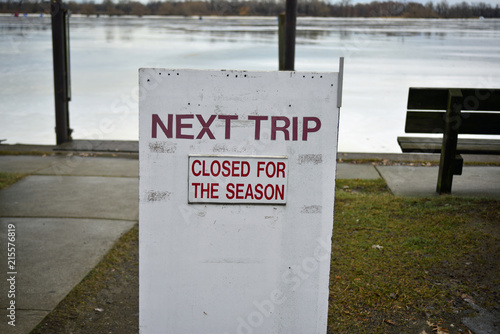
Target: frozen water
[383,58]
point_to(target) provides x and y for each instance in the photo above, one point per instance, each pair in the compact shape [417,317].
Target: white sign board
[237,179]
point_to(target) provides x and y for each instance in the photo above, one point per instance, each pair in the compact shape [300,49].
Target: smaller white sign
[237,179]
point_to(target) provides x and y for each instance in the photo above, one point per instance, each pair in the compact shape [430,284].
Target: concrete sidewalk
[66,214]
[420,181]
[70,210]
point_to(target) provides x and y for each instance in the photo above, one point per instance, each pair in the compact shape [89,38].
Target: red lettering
[206,127]
[166,130]
[226,166]
[259,167]
[192,168]
[275,128]
[257,120]
[214,189]
[280,169]
[235,168]
[258,191]
[230,191]
[196,189]
[269,197]
[280,192]
[271,168]
[208,190]
[245,168]
[239,190]
[204,169]
[215,163]
[278,124]
[228,119]
[179,126]
[282,124]
[249,192]
[270,163]
[295,128]
[205,190]
[306,129]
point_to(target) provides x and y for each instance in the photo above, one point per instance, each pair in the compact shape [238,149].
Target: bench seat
[433,145]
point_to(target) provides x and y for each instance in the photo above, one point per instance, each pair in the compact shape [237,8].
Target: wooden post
[281,41]
[290,27]
[450,138]
[60,54]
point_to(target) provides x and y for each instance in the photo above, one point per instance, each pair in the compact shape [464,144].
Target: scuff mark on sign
[156,196]
[312,209]
[315,159]
[220,148]
[162,147]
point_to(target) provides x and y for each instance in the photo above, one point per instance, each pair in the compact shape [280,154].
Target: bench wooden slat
[473,123]
[437,99]
[433,145]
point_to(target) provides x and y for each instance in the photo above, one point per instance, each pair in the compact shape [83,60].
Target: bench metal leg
[458,165]
[450,138]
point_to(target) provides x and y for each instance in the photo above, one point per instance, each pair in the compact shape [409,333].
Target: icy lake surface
[383,58]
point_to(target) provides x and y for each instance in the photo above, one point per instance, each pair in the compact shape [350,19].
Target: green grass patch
[362,186]
[7,179]
[397,261]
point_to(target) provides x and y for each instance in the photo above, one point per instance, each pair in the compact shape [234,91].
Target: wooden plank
[420,144]
[464,146]
[424,122]
[428,98]
[474,123]
[482,99]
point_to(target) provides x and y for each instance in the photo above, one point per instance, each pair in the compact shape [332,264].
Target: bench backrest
[427,108]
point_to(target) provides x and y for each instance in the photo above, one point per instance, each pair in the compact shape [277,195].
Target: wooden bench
[452,111]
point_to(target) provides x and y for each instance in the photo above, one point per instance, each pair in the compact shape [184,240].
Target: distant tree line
[344,8]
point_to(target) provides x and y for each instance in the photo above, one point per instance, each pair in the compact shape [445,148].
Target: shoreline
[130,149]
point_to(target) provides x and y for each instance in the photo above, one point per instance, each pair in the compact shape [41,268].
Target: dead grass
[400,262]
[7,179]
